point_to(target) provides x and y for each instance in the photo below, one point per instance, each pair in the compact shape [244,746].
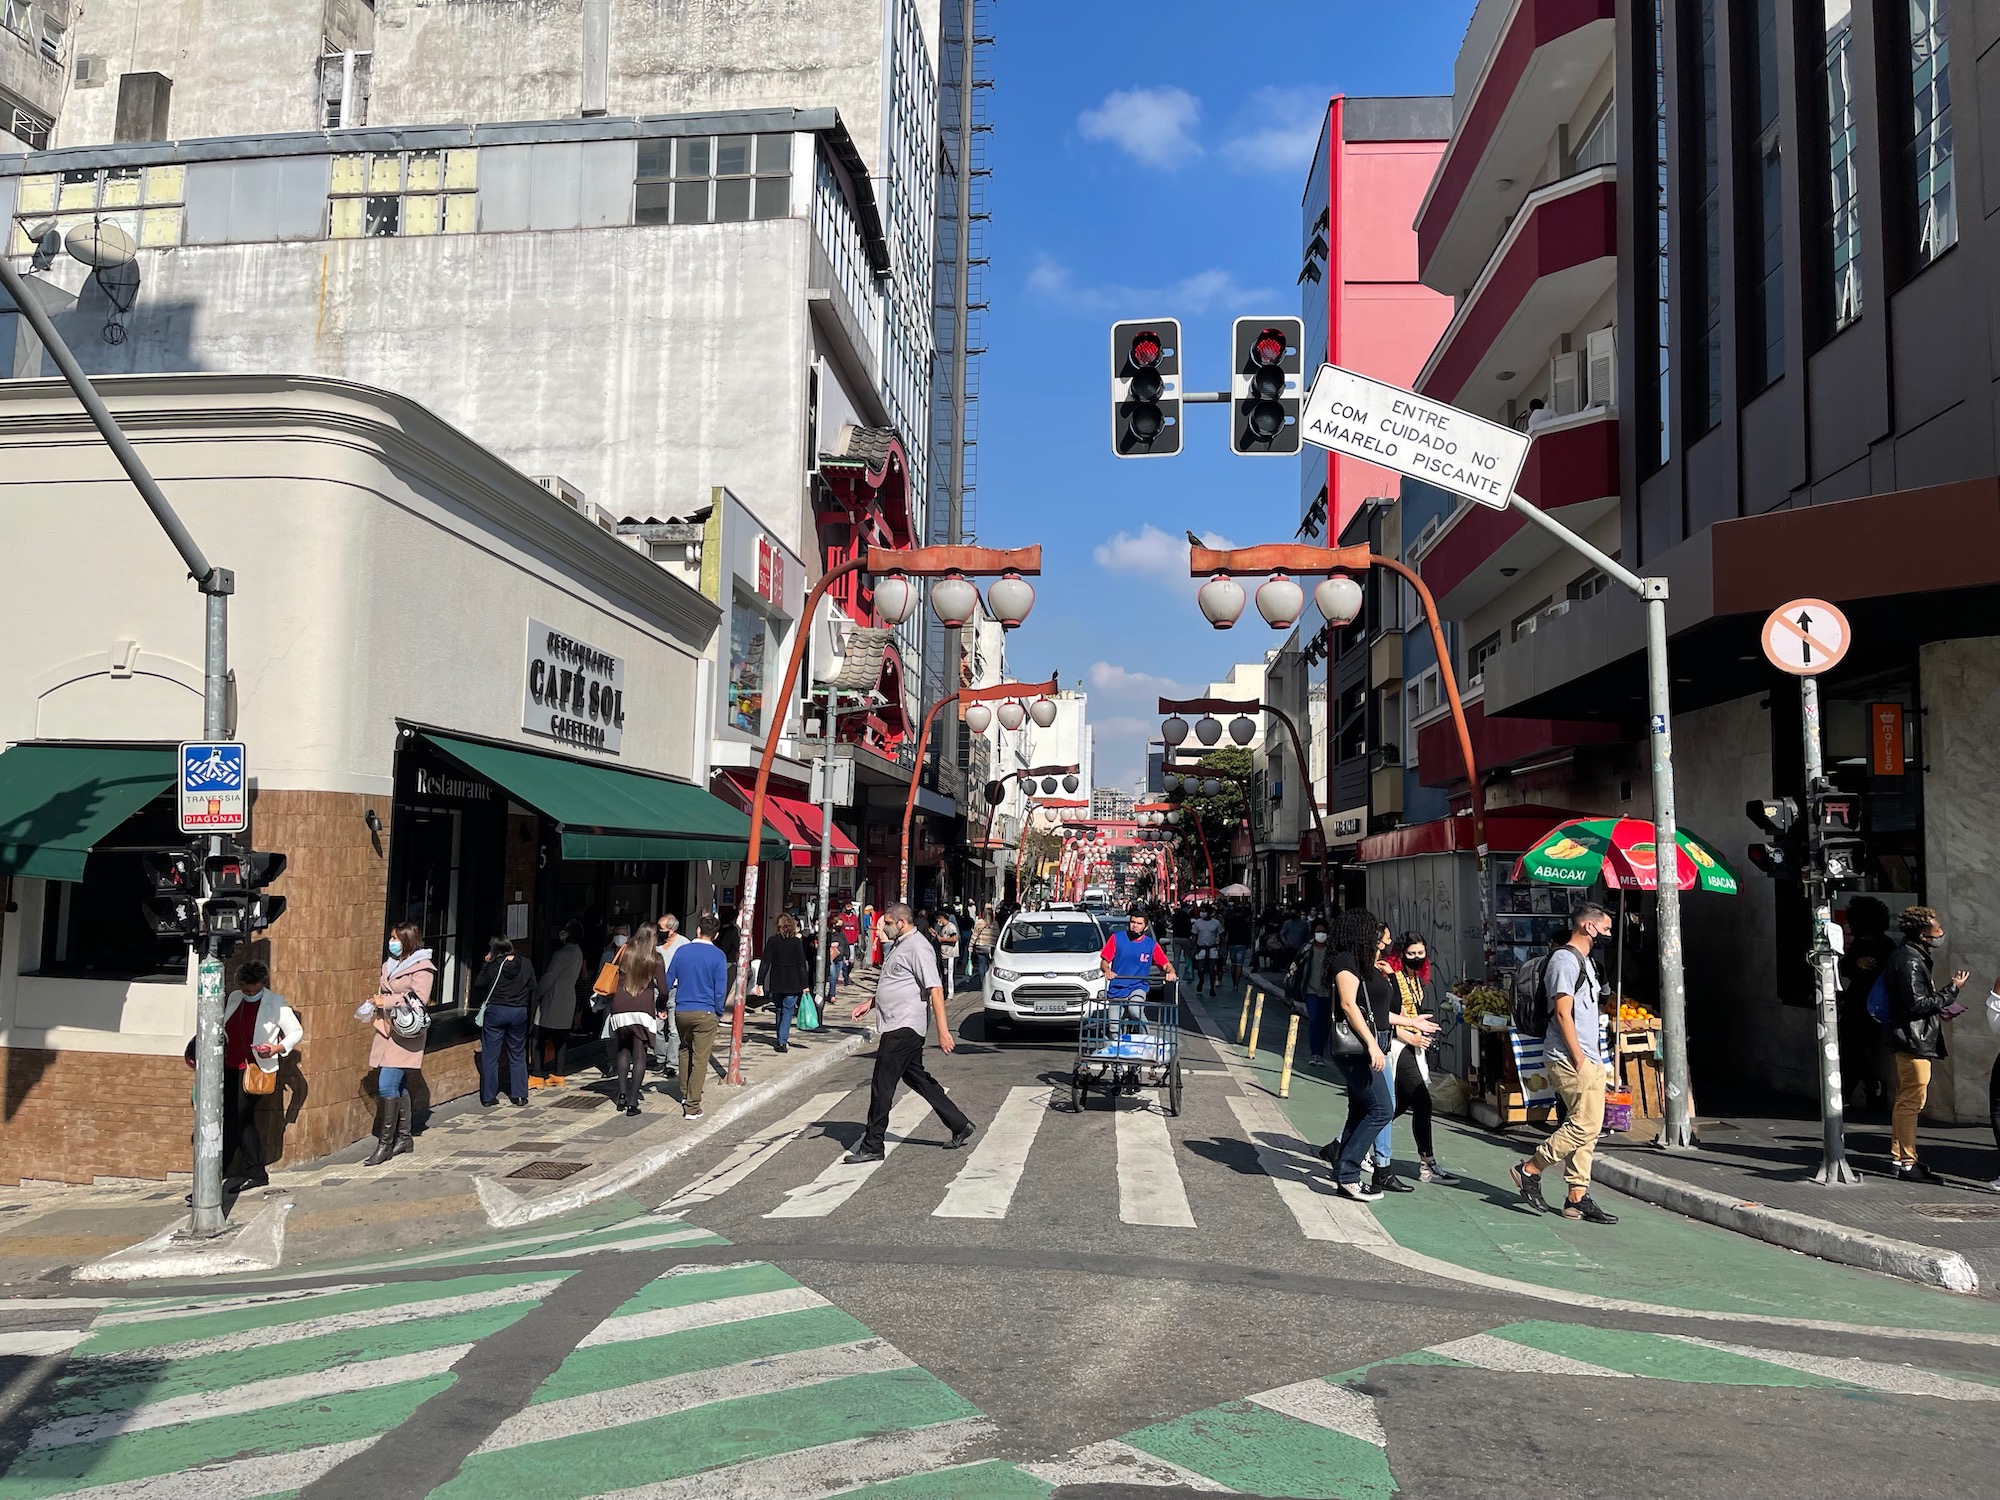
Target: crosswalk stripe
[623,1405]
[758,1149]
[1897,1380]
[839,1182]
[659,1321]
[829,1469]
[686,1235]
[1116,1463]
[237,1479]
[32,1343]
[1149,1182]
[1324,1404]
[181,1307]
[1484,1352]
[1302,1182]
[984,1187]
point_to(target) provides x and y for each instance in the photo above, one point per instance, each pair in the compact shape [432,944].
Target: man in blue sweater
[698,979]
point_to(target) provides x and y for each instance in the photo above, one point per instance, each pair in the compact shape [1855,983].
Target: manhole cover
[1955,1213]
[582,1101]
[549,1171]
[534,1148]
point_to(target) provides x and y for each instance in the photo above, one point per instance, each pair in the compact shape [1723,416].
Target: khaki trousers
[697,1028]
[1581,1089]
[1913,1082]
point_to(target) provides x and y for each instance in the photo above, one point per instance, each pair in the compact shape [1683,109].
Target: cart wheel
[1079,1091]
[1174,1090]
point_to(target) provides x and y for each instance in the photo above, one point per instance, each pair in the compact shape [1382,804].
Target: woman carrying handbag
[504,986]
[635,1015]
[400,1015]
[259,1030]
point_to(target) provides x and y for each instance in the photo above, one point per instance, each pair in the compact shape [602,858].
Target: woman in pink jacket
[403,1003]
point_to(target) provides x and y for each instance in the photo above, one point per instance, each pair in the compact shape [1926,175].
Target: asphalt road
[1085,1299]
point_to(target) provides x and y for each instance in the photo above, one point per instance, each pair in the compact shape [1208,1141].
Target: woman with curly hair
[1365,994]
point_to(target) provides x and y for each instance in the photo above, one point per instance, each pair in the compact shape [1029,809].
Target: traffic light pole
[216,585]
[1834,1170]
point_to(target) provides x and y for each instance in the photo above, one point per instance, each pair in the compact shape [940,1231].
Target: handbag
[607,981]
[409,1021]
[479,1016]
[257,1081]
[808,1016]
[1344,1042]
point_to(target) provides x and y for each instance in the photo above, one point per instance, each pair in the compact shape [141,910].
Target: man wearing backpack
[1567,982]
[1916,1011]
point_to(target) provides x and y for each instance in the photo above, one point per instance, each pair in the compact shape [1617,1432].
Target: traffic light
[1837,844]
[1785,856]
[237,905]
[1146,388]
[174,909]
[1266,385]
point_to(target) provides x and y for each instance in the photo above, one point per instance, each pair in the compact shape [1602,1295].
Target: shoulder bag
[257,1081]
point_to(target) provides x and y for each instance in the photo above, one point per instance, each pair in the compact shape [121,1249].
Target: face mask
[1319,937]
[395,948]
[620,941]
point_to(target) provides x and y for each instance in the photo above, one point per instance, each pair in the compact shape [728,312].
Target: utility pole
[1834,1170]
[216,585]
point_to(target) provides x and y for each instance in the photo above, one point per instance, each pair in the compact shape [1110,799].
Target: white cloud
[1119,686]
[1150,125]
[1277,131]
[1152,553]
[1204,291]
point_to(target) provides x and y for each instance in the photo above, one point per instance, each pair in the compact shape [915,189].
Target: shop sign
[572,691]
[1885,738]
[770,573]
[436,787]
[1347,826]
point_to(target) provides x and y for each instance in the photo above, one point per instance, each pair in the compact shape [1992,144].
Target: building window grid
[146,202]
[1658,378]
[1703,368]
[1763,196]
[713,179]
[383,194]
[1477,658]
[840,237]
[1843,184]
[1927,167]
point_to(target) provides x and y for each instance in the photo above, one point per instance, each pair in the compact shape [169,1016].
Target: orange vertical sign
[1885,738]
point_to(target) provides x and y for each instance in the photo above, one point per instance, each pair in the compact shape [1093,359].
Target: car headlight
[1000,973]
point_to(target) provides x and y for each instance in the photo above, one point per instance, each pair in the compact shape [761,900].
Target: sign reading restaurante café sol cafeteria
[573,692]
[1414,435]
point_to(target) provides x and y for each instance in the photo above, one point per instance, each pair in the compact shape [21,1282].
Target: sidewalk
[472,1168]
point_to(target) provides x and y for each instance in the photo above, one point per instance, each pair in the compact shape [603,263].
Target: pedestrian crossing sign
[213,784]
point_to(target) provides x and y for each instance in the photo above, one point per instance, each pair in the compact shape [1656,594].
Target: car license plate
[1046,1007]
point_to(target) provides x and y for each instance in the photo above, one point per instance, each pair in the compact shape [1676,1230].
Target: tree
[1219,816]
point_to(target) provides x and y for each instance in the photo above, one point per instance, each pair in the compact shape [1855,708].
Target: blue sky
[1148,178]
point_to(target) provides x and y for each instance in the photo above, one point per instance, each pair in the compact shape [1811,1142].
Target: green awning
[607,813]
[56,801]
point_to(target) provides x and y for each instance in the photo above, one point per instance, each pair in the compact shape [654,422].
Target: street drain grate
[582,1101]
[1954,1213]
[534,1148]
[549,1171]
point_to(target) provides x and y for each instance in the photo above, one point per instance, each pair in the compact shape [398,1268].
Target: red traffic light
[1269,348]
[1146,350]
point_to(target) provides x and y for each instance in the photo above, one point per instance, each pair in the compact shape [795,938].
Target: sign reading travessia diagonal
[1428,440]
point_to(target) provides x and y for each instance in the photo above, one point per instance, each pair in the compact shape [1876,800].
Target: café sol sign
[572,692]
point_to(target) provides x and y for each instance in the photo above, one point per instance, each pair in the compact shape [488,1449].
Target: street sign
[841,768]
[1428,440]
[1806,637]
[214,787]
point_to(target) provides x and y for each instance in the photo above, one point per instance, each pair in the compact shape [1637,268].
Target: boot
[385,1132]
[400,1128]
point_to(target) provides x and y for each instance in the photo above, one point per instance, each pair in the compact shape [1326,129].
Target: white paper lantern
[1174,731]
[1221,599]
[1209,729]
[1043,711]
[1242,729]
[1211,788]
[979,718]
[895,598]
[1012,714]
[1339,599]
[955,599]
[1010,597]
[1279,600]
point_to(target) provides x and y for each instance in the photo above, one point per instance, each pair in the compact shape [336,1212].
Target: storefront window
[96,928]
[746,667]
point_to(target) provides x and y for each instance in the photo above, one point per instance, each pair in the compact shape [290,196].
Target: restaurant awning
[608,813]
[797,818]
[56,801]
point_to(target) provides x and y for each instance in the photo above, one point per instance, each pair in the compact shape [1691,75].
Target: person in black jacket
[1917,1013]
[504,987]
[786,975]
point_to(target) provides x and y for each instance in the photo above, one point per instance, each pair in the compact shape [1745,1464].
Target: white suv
[1044,968]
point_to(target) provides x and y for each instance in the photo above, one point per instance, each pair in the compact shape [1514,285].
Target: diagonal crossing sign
[1806,637]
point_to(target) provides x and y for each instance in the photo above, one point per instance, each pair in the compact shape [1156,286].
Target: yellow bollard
[1291,1044]
[1243,1020]
[1256,1023]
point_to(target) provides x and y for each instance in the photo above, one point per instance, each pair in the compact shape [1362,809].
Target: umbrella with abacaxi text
[1622,852]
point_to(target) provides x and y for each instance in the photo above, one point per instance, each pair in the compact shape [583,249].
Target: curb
[258,1245]
[505,1209]
[1793,1231]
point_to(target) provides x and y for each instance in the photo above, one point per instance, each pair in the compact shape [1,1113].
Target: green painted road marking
[170,1450]
[991,1480]
[651,1450]
[1656,1356]
[1259,1452]
[612,1366]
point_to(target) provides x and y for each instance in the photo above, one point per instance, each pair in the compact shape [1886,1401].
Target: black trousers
[239,1126]
[899,1058]
[1993,1099]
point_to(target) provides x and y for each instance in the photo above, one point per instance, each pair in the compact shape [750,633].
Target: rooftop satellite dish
[100,245]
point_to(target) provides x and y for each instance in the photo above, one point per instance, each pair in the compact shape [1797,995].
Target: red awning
[1509,830]
[796,819]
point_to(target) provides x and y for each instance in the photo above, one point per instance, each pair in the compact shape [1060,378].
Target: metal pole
[826,843]
[1834,1170]
[216,585]
[1677,1129]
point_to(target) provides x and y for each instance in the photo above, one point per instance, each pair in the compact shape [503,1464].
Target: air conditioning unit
[1601,382]
[573,497]
[89,73]
[1565,393]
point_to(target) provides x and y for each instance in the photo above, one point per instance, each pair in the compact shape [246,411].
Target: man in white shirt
[667,1040]
[908,993]
[1208,949]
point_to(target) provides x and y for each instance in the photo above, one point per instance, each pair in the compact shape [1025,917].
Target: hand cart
[1126,1044]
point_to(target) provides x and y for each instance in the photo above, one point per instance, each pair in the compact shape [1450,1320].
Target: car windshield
[1053,937]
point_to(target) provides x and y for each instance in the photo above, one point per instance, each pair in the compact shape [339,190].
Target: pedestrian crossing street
[799,1166]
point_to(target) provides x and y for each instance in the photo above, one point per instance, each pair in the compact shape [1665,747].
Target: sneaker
[863,1153]
[1993,1186]
[960,1137]
[519,1101]
[1918,1172]
[1386,1181]
[1530,1186]
[688,1112]
[1360,1192]
[1586,1209]
[631,1109]
[1315,1061]
[1430,1171]
[542,1083]
[557,1080]
[1330,1153]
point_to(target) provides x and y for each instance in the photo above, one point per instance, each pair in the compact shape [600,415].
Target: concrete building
[411,638]
[34,50]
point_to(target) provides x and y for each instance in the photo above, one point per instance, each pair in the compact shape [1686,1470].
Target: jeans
[1369,1108]
[697,1033]
[981,957]
[899,1058]
[507,1023]
[1385,1145]
[1319,1024]
[788,1008]
[1581,1088]
[389,1083]
[1913,1082]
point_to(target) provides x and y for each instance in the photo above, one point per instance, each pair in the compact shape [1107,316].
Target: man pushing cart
[1124,1040]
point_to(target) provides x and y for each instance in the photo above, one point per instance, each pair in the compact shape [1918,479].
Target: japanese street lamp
[1010,597]
[1208,730]
[955,599]
[1279,600]
[1338,598]
[1221,599]
[1174,732]
[1012,714]
[1043,712]
[1242,729]
[979,718]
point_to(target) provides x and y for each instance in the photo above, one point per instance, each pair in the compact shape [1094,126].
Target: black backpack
[1532,1011]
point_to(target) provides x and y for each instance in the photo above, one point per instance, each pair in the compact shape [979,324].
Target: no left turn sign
[1806,637]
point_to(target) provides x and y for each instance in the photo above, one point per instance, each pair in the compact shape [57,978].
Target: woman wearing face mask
[1417,994]
[258,1029]
[635,1014]
[407,976]
[1314,968]
[1366,994]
